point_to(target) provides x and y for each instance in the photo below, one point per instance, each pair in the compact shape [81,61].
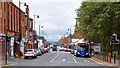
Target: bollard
[107,57]
[103,57]
[110,58]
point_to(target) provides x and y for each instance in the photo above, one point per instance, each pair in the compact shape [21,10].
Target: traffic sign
[29,42]
[113,39]
[2,39]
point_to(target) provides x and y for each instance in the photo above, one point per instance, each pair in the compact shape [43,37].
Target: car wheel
[33,57]
[25,57]
[76,55]
[36,57]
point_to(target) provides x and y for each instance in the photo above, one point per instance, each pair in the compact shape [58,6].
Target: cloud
[56,16]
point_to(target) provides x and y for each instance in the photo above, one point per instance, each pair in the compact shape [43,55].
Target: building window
[8,15]
[11,19]
[1,5]
[4,6]
[30,24]
[16,21]
[25,21]
[4,25]
[1,24]
[25,33]
[30,34]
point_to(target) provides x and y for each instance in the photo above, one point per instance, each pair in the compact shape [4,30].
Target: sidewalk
[12,61]
[99,58]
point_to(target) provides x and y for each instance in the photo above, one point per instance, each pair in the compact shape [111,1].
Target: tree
[98,20]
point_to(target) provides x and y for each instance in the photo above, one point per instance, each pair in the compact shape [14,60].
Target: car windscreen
[83,48]
[28,50]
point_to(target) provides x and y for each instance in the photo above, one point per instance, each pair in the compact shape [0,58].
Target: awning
[2,35]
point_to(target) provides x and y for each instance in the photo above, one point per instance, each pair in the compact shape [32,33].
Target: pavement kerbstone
[104,62]
[12,61]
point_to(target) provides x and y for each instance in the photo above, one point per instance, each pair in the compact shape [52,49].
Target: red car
[44,51]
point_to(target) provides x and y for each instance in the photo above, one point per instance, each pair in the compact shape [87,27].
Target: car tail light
[32,52]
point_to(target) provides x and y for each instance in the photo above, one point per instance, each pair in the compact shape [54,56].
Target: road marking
[95,61]
[63,60]
[55,58]
[74,60]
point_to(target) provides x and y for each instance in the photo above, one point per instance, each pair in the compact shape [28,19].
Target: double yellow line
[96,60]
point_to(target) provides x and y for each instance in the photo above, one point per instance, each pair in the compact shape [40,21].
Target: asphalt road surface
[58,59]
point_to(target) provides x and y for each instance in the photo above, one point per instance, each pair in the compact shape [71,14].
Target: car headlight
[78,52]
[86,53]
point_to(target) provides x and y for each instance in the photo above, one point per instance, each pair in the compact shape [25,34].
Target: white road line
[74,60]
[55,58]
[63,60]
[85,60]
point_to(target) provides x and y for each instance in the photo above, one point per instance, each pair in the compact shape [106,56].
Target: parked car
[61,49]
[75,51]
[42,50]
[72,51]
[30,53]
[46,49]
[38,52]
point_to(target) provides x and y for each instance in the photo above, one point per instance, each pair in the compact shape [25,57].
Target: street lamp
[39,29]
[20,22]
[70,35]
[34,19]
[67,40]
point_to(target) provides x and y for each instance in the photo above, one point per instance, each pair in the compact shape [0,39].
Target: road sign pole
[6,50]
[114,54]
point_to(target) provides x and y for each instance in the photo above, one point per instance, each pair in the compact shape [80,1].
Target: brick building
[28,29]
[0,15]
[9,24]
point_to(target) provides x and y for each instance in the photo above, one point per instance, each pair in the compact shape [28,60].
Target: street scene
[57,33]
[59,59]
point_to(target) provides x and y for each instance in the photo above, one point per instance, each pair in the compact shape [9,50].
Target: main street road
[59,59]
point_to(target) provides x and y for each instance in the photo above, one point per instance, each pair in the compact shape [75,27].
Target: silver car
[38,52]
[30,53]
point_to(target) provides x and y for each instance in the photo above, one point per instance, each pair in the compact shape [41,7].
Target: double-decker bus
[83,49]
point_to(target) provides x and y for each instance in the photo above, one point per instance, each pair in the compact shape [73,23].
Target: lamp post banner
[22,46]
[22,42]
[11,47]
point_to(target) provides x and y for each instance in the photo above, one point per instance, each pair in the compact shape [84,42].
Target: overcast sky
[56,16]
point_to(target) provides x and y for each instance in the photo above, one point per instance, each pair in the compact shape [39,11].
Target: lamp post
[67,41]
[40,28]
[34,19]
[20,22]
[70,35]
